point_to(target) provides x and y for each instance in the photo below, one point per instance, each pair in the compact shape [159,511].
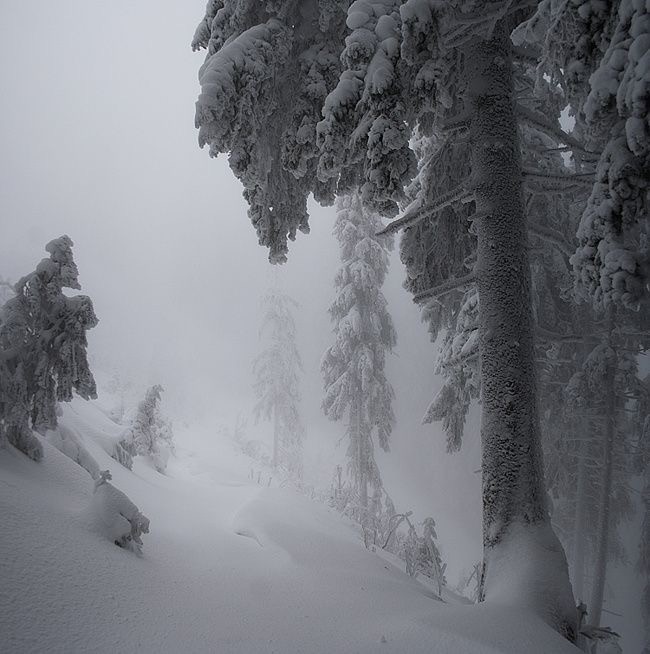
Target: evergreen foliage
[276,386]
[353,367]
[447,78]
[43,349]
[268,68]
[150,435]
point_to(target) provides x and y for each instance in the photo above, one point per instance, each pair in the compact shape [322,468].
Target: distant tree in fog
[276,386]
[422,555]
[151,434]
[356,387]
[43,349]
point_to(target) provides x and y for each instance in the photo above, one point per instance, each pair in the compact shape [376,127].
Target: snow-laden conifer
[277,369]
[43,349]
[448,72]
[424,556]
[268,68]
[598,53]
[356,387]
[151,434]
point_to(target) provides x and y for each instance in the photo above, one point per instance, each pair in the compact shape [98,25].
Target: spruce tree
[353,367]
[43,349]
[276,386]
[151,434]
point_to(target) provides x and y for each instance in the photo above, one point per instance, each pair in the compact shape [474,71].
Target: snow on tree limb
[444,288]
[551,236]
[268,69]
[555,131]
[459,194]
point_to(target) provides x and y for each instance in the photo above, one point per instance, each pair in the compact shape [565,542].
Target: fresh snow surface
[229,566]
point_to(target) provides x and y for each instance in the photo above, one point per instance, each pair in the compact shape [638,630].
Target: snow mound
[229,567]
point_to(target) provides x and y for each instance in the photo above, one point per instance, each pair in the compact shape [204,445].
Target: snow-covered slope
[229,566]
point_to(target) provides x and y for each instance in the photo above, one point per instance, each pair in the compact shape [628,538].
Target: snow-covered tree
[597,53]
[422,555]
[356,387]
[268,68]
[151,434]
[448,69]
[277,385]
[43,349]
[429,560]
[599,392]
[448,72]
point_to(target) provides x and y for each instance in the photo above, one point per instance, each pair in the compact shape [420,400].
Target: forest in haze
[365,371]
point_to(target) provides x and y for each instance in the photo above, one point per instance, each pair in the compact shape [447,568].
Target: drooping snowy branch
[268,68]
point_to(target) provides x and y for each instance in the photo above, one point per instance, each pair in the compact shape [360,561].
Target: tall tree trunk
[604,503]
[362,481]
[276,438]
[520,549]
[582,323]
[579,522]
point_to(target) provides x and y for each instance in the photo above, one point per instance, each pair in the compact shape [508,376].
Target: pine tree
[430,560]
[151,434]
[43,349]
[353,367]
[276,386]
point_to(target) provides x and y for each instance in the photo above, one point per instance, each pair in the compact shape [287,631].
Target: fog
[98,142]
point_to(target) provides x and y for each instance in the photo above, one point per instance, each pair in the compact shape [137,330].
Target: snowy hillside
[229,566]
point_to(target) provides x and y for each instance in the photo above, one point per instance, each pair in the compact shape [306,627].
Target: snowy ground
[229,566]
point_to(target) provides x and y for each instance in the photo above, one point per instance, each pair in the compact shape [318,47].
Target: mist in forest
[98,142]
